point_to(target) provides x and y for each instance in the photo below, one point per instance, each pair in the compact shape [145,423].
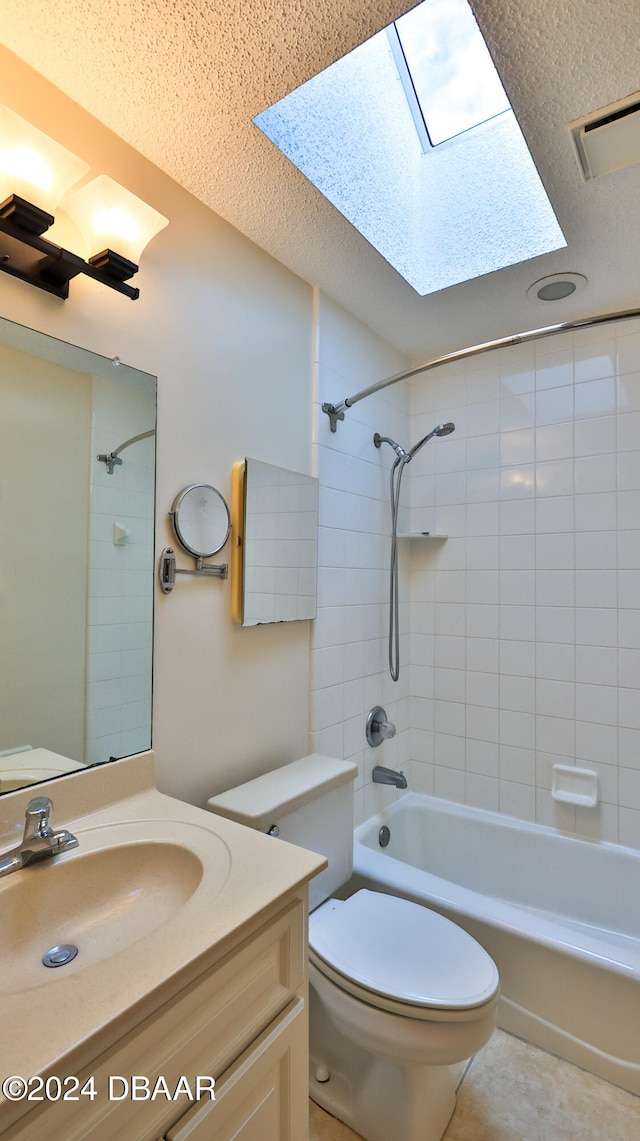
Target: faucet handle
[37,818]
[378,728]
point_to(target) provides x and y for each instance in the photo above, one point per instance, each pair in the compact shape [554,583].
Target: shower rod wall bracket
[335,413]
[169,570]
[110,459]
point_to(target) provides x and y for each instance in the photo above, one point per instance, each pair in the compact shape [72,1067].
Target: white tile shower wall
[525,642]
[120,620]
[349,651]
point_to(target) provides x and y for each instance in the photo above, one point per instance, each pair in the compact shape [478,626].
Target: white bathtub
[560,917]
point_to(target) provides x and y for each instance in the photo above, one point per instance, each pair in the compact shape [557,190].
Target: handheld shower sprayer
[401,459]
[441,430]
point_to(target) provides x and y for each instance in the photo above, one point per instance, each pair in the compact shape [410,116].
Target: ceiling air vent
[608,139]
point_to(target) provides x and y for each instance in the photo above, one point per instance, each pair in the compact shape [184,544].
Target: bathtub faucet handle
[378,728]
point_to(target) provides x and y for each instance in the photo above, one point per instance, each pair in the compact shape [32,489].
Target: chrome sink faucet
[39,842]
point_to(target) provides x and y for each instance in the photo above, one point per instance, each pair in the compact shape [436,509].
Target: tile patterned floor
[516,1092]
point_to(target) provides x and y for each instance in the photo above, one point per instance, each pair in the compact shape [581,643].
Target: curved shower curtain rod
[335,412]
[111,458]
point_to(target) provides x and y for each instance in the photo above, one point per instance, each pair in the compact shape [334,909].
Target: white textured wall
[227,331]
[349,650]
[525,642]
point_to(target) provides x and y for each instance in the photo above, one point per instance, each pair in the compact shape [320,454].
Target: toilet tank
[310,801]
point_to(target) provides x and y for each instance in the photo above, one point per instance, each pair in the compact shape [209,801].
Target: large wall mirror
[77,497]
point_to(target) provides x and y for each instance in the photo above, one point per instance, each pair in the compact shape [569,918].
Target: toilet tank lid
[261,801]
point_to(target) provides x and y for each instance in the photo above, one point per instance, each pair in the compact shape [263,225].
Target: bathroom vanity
[192,963]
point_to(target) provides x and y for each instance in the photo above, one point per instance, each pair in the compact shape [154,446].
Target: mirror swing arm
[201,523]
[169,570]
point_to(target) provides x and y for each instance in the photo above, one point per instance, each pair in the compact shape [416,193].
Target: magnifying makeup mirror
[201,520]
[201,523]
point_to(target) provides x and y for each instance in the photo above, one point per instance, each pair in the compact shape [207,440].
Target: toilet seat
[399,956]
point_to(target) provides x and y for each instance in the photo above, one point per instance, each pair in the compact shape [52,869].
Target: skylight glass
[439,214]
[455,81]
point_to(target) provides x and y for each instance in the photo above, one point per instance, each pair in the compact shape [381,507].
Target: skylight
[411,137]
[455,81]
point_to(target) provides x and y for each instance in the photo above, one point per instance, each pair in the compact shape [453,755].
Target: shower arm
[336,412]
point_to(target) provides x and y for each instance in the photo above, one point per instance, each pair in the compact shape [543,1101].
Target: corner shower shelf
[423,535]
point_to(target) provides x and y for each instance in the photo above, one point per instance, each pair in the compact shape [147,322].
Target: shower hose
[394,629]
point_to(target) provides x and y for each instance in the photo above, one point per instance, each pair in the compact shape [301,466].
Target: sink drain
[59,956]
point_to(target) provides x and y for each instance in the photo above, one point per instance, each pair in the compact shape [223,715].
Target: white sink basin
[121,884]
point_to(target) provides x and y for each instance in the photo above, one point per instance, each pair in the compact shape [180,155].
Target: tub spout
[382,775]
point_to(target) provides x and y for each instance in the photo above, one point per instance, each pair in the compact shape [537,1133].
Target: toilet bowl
[399,996]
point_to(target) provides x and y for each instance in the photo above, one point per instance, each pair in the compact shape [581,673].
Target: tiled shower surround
[348,661]
[521,634]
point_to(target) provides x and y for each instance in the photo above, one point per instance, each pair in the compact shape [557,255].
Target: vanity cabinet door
[263,1096]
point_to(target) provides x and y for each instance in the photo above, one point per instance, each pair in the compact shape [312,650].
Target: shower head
[400,452]
[440,430]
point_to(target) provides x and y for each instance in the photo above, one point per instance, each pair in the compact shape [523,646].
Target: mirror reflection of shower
[399,464]
[112,459]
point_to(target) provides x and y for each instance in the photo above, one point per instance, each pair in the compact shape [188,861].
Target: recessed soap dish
[575,786]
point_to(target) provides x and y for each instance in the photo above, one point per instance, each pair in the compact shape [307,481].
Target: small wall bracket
[334,413]
[110,459]
[168,570]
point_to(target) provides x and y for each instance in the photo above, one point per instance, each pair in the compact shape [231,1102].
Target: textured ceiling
[181,80]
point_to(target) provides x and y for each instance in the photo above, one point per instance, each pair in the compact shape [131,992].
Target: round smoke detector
[556,287]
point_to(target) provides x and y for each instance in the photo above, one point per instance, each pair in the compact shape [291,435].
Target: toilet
[399,996]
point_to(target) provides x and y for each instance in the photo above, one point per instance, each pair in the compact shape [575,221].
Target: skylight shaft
[438,214]
[455,81]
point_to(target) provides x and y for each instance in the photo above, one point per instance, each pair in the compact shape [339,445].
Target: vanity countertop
[56,1020]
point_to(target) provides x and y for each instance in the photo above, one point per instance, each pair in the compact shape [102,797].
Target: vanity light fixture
[36,175]
[108,215]
[33,167]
